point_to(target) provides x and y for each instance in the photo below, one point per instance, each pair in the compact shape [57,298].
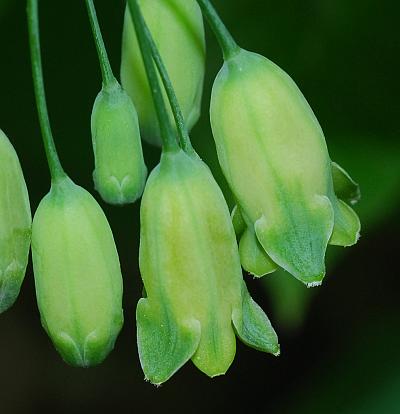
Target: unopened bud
[15,224]
[120,172]
[77,274]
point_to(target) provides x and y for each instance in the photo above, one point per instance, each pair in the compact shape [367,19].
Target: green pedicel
[196,298]
[273,154]
[77,274]
[178,31]
[15,224]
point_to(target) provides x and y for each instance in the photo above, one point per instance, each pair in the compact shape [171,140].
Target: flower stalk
[226,41]
[56,170]
[167,133]
[106,71]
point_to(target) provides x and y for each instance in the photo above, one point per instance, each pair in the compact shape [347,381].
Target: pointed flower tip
[314,284]
[120,192]
[277,351]
[217,374]
[156,381]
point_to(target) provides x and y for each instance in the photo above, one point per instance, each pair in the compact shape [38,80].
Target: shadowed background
[339,342]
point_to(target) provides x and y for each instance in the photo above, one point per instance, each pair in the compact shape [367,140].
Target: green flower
[177,29]
[273,154]
[120,172]
[253,257]
[196,299]
[77,274]
[15,224]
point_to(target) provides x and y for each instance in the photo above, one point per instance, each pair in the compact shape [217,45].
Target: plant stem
[56,170]
[227,43]
[167,132]
[106,71]
[184,138]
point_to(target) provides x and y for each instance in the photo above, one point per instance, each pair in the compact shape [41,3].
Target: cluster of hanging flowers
[292,200]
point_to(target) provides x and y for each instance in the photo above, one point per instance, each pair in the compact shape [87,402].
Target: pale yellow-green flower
[196,300]
[15,224]
[273,153]
[77,274]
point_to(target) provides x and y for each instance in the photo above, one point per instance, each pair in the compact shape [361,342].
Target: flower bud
[120,172]
[196,298]
[15,224]
[77,274]
[273,154]
[178,31]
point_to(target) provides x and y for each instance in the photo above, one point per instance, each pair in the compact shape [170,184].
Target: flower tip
[119,191]
[277,352]
[315,283]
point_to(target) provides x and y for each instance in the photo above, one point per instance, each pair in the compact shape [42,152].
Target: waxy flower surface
[15,224]
[77,274]
[196,300]
[120,172]
[273,153]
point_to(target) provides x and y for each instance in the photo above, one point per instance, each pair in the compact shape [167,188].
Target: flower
[178,30]
[195,298]
[15,224]
[273,154]
[77,274]
[120,172]
[253,257]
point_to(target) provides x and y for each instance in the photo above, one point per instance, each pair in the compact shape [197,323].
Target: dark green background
[340,343]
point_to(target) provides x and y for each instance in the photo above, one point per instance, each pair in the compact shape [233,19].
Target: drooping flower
[77,274]
[120,172]
[273,154]
[178,31]
[15,224]
[196,299]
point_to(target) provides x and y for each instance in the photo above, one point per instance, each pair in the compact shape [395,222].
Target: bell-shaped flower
[120,172]
[178,31]
[15,224]
[196,300]
[77,274]
[273,154]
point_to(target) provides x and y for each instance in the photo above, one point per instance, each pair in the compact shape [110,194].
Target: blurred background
[340,342]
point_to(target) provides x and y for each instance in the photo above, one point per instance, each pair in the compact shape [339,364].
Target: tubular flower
[120,172]
[273,154]
[15,224]
[178,31]
[195,296]
[77,274]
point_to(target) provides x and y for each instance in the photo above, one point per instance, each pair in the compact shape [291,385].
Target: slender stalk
[167,132]
[106,71]
[53,161]
[184,138]
[227,43]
